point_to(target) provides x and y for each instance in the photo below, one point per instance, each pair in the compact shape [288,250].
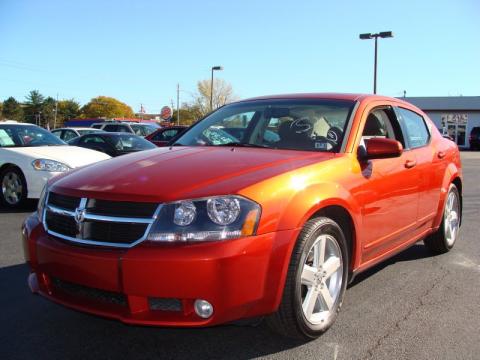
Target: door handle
[410,164]
[441,154]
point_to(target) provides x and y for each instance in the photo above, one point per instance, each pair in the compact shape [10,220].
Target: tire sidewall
[325,226]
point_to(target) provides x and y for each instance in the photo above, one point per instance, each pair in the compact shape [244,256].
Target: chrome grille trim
[100,218]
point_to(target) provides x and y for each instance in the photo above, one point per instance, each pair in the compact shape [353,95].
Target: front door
[389,193]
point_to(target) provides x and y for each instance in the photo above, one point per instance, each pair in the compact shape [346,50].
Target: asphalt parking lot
[415,306]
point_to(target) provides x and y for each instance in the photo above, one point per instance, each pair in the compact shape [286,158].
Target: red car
[267,207]
[163,136]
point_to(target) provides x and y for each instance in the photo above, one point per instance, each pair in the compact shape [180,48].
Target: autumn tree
[12,109]
[222,94]
[104,106]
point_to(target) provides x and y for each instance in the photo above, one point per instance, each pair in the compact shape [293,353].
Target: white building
[456,115]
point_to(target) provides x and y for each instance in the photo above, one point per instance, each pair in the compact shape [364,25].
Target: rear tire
[316,281]
[13,188]
[444,238]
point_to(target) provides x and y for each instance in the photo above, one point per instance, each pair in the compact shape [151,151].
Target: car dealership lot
[412,306]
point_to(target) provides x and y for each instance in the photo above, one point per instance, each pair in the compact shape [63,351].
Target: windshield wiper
[235,144]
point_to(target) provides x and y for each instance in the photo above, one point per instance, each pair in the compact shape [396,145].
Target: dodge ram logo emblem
[80,218]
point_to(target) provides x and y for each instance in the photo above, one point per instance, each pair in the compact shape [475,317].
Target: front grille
[121,208]
[61,224]
[98,222]
[114,232]
[63,201]
[89,293]
[165,304]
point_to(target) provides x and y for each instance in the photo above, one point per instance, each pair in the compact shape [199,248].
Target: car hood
[168,174]
[73,156]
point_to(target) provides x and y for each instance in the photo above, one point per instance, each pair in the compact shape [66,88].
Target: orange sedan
[267,207]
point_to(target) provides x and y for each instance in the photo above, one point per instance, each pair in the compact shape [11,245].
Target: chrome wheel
[12,188]
[321,279]
[451,216]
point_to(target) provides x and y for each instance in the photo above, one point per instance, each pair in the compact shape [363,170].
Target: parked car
[67,134]
[162,136]
[141,129]
[113,144]
[474,138]
[218,228]
[29,156]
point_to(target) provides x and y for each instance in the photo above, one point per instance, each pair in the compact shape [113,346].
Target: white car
[29,156]
[70,133]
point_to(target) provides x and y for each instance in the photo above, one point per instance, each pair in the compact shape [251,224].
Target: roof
[333,96]
[439,103]
[14,122]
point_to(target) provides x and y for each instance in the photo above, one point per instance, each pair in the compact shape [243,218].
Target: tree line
[48,112]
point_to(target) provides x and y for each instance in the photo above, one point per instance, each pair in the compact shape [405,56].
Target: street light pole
[178,104]
[367,36]
[211,85]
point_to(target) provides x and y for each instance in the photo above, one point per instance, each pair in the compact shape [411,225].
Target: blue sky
[137,51]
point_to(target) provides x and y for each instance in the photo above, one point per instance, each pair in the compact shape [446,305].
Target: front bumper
[36,180]
[241,278]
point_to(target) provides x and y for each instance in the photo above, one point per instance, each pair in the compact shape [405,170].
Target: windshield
[27,135]
[88,131]
[306,124]
[144,129]
[126,142]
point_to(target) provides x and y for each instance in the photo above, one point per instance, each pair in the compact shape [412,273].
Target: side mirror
[380,148]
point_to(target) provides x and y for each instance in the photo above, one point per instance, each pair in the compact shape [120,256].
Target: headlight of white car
[49,165]
[208,219]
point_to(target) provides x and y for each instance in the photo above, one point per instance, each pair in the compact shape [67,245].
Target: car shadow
[416,252]
[28,207]
[33,325]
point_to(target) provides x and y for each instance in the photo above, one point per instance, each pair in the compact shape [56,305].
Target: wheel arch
[344,219]
[452,176]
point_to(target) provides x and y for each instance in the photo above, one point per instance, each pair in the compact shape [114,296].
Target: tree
[222,94]
[189,113]
[48,112]
[12,109]
[33,106]
[104,106]
[67,109]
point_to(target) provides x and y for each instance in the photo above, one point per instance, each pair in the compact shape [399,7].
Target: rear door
[429,163]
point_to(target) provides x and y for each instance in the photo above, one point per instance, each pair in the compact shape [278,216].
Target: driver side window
[382,123]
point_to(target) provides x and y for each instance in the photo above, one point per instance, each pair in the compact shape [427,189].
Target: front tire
[13,188]
[315,283]
[444,238]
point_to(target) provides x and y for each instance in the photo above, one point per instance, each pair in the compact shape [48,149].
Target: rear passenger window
[414,126]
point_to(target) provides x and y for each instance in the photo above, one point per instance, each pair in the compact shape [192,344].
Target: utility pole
[178,104]
[55,116]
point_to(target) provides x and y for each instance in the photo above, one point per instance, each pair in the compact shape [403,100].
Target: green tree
[67,109]
[12,109]
[104,106]
[189,113]
[33,106]
[48,112]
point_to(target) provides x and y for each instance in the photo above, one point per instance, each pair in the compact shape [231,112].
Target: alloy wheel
[321,279]
[12,188]
[452,218]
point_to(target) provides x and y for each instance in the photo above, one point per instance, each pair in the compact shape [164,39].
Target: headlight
[49,165]
[212,219]
[41,203]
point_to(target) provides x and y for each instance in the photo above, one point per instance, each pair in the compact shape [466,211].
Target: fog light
[203,308]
